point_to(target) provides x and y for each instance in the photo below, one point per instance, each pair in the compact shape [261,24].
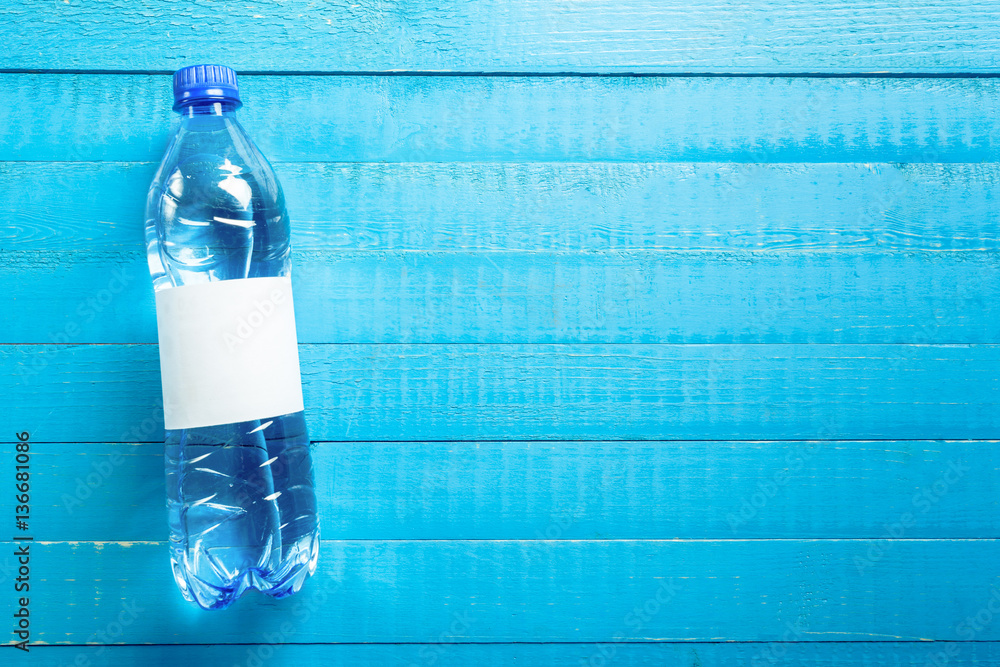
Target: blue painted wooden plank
[521,119]
[616,296]
[449,653]
[501,35]
[576,591]
[564,392]
[563,490]
[96,208]
[594,263]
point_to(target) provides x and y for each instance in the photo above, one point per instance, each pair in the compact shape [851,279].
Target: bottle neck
[203,109]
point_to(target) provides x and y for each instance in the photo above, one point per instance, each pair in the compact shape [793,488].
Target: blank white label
[228,352]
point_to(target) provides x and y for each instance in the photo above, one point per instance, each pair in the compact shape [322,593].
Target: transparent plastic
[240,497]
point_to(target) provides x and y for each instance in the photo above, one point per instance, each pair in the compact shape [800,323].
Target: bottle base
[202,580]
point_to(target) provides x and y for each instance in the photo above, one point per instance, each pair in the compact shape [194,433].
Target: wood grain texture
[521,119]
[498,35]
[450,653]
[531,297]
[543,253]
[564,490]
[541,591]
[561,392]
[95,209]
[523,458]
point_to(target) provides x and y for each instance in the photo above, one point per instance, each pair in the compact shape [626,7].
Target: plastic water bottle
[240,496]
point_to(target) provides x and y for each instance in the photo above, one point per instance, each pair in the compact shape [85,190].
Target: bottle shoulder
[215,208]
[216,153]
[221,140]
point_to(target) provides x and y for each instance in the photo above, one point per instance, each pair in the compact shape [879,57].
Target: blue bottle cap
[205,83]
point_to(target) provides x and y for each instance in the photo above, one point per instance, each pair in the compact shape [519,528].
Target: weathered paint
[565,337]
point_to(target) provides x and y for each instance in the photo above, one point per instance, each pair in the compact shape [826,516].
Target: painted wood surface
[548,253]
[539,591]
[450,653]
[501,35]
[94,393]
[566,490]
[618,296]
[89,209]
[576,342]
[517,119]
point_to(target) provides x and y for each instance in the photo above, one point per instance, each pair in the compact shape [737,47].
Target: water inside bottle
[240,497]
